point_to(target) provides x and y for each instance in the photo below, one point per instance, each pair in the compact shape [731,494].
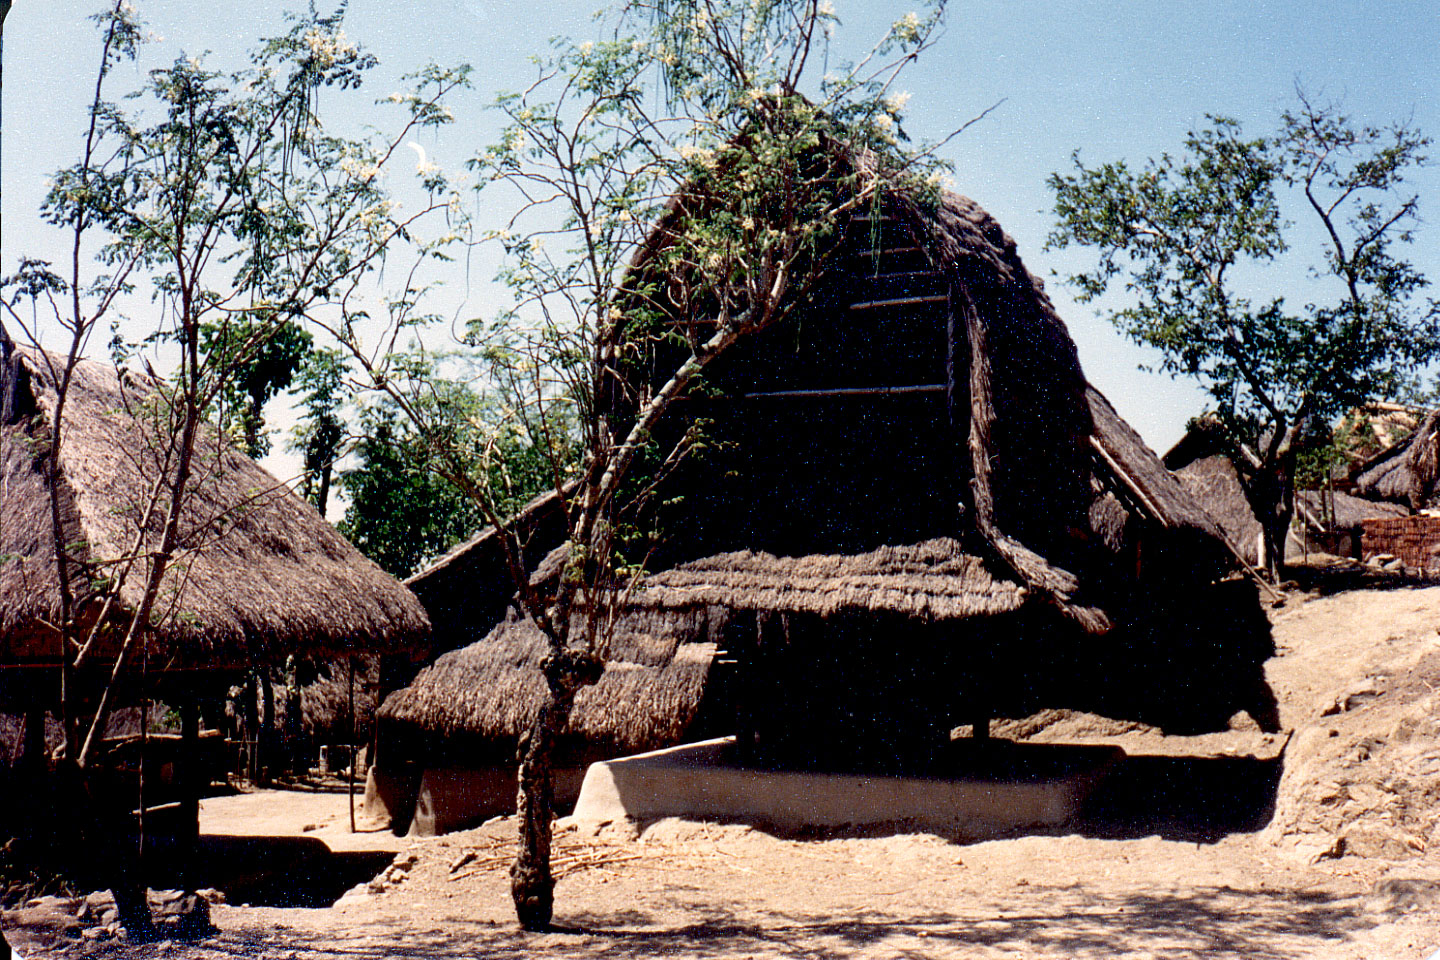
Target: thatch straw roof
[929,581]
[486,694]
[258,575]
[838,480]
[1212,482]
[1065,464]
[1157,491]
[1409,473]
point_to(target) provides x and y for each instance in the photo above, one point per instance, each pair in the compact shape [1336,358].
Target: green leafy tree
[1179,229]
[319,435]
[263,357]
[401,509]
[226,196]
[704,135]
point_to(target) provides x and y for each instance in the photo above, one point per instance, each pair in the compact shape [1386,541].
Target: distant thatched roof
[929,581]
[1409,473]
[489,692]
[467,591]
[258,573]
[1212,481]
[1340,511]
[1159,493]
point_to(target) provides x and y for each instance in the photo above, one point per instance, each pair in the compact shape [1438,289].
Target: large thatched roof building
[914,511]
[258,574]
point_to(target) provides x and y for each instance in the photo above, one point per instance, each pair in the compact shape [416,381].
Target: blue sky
[1115,79]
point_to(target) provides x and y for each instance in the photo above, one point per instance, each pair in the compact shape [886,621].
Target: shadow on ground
[1219,923]
[276,871]
[1198,799]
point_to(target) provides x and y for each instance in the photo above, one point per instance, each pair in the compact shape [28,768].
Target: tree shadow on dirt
[1061,922]
[1219,923]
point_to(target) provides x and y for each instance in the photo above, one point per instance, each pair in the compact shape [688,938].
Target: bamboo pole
[350,774]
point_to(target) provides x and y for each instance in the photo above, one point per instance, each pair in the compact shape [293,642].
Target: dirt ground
[1320,842]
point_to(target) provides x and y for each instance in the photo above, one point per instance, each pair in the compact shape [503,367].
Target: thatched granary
[918,512]
[258,573]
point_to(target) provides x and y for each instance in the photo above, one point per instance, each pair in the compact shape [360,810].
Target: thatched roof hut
[907,489]
[1331,519]
[258,573]
[1407,473]
[1214,484]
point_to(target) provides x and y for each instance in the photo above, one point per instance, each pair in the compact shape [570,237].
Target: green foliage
[1177,229]
[400,512]
[320,432]
[708,125]
[405,506]
[261,359]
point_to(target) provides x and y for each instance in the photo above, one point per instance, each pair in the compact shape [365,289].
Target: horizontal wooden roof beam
[921,388]
[900,302]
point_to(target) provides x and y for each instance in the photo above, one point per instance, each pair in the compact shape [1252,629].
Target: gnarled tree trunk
[532,886]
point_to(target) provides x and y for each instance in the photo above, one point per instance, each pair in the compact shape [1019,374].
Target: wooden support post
[350,777]
[192,781]
[250,713]
[743,652]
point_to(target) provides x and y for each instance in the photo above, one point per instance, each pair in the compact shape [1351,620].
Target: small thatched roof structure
[1213,482]
[1407,473]
[258,573]
[472,704]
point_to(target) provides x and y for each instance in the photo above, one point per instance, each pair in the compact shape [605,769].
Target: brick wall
[1415,540]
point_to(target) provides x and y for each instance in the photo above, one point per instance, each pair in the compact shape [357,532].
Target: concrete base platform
[990,789]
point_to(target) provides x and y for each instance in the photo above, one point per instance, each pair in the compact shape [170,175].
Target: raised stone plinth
[986,790]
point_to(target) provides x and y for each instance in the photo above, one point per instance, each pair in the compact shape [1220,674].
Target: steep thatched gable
[838,484]
[1408,473]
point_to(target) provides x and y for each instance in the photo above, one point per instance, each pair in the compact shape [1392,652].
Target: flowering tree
[225,195]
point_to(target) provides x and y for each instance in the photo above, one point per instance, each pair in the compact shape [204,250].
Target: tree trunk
[532,886]
[1272,497]
[323,497]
